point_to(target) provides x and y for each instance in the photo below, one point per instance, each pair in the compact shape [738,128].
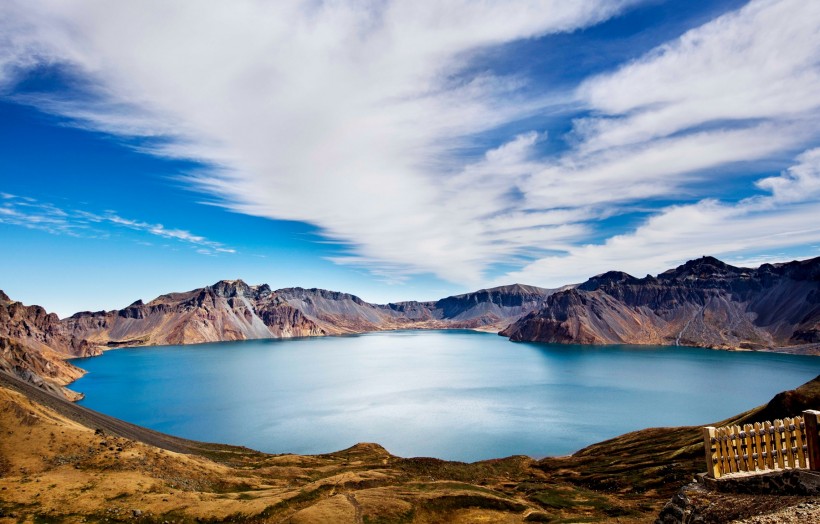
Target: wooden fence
[763,446]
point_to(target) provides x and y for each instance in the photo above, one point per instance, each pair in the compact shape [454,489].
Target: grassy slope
[62,462]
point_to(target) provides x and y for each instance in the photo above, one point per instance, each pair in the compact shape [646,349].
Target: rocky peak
[261,291]
[314,293]
[607,279]
[4,297]
[796,270]
[706,267]
[231,288]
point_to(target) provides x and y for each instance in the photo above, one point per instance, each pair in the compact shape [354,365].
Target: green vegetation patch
[436,486]
[404,518]
[454,502]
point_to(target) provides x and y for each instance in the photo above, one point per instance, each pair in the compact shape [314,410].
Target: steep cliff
[228,310]
[34,346]
[704,302]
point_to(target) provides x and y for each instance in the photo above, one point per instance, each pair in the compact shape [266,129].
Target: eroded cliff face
[228,310]
[704,302]
[34,346]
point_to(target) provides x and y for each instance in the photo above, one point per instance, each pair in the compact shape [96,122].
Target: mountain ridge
[703,302]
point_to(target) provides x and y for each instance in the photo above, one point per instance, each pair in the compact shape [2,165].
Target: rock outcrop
[228,310]
[34,346]
[704,302]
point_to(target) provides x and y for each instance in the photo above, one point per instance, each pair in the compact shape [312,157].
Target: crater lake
[455,394]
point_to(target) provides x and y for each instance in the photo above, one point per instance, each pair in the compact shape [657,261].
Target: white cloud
[351,116]
[757,63]
[340,114]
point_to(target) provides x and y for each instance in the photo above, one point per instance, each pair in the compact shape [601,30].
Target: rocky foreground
[60,462]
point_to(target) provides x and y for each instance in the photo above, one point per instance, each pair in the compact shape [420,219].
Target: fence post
[709,441]
[810,419]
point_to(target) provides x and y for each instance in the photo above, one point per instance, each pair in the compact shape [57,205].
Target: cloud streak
[354,117]
[31,214]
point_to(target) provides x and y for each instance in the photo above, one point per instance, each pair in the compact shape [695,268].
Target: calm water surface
[456,395]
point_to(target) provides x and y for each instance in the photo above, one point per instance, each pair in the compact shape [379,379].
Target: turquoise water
[457,395]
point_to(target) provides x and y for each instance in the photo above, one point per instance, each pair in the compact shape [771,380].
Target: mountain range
[703,302]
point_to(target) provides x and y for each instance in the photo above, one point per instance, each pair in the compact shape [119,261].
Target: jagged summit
[517,288]
[608,278]
[704,267]
[231,288]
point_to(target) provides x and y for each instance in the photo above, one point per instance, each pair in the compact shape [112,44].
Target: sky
[399,149]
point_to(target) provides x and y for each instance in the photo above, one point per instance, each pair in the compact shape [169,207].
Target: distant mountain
[703,302]
[233,310]
[35,343]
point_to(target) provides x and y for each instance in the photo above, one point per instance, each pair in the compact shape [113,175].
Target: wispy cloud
[354,117]
[32,214]
[206,247]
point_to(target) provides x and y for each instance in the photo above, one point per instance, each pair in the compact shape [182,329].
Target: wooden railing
[763,446]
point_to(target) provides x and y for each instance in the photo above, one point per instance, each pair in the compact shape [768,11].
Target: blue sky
[399,150]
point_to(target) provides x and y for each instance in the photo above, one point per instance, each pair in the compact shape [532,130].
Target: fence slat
[711,454]
[768,433]
[721,450]
[730,455]
[778,439]
[811,418]
[800,441]
[790,433]
[760,447]
[747,445]
[741,449]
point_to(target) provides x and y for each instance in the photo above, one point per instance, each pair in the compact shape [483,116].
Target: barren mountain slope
[702,303]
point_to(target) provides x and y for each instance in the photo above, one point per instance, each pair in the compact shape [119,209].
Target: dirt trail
[358,507]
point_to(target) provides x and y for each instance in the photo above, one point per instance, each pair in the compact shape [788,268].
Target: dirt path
[358,507]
